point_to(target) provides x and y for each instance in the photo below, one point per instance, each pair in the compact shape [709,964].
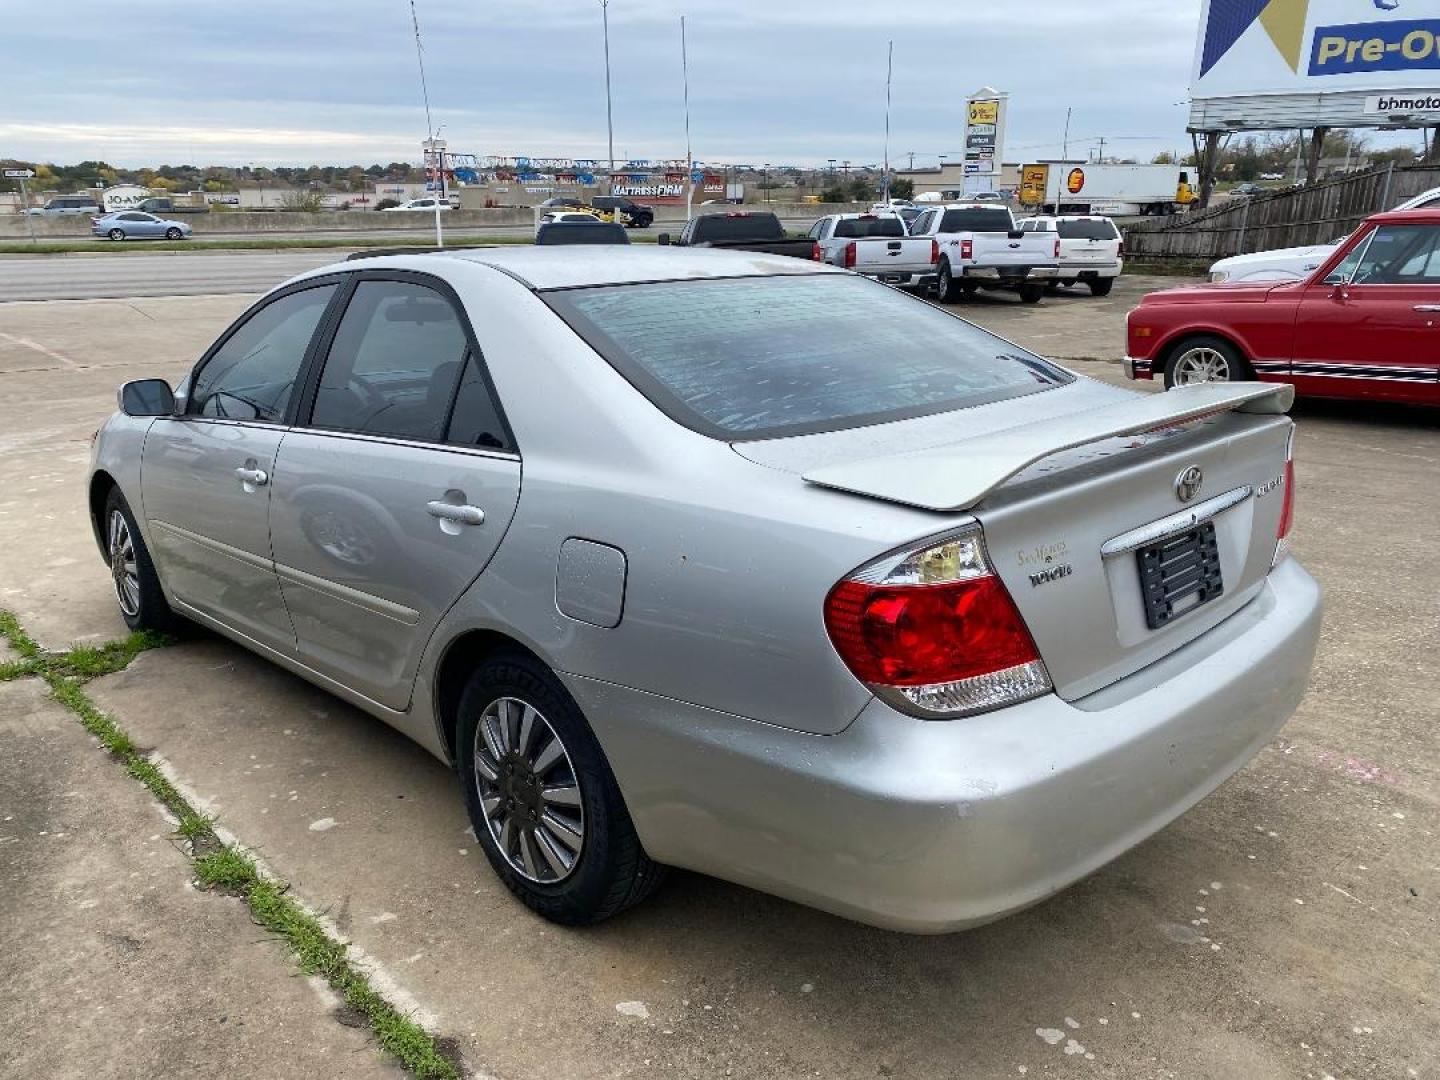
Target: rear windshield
[722,227]
[581,232]
[977,219]
[758,357]
[1087,229]
[876,226]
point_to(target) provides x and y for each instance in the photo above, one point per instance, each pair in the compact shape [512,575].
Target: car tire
[1101,286]
[947,289]
[1031,294]
[137,586]
[1205,358]
[174,234]
[116,234]
[570,852]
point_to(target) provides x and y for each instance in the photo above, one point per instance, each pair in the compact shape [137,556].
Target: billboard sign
[984,138]
[1299,63]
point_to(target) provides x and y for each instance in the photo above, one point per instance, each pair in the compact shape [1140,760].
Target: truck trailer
[1077,187]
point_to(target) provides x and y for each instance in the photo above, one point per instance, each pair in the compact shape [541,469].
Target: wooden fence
[1315,214]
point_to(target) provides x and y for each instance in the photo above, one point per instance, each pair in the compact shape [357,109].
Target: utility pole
[889,70]
[609,115]
[429,126]
[689,157]
[1100,155]
[1065,139]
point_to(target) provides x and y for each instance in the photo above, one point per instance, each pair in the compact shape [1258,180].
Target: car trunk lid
[1174,495]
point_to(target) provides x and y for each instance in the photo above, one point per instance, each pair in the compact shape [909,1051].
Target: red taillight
[1120,250]
[967,249]
[936,632]
[934,252]
[850,254]
[1287,505]
[816,255]
[1057,247]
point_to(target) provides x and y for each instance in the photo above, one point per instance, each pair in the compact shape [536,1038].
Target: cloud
[277,82]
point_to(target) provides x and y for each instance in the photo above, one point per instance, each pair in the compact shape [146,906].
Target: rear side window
[394,365]
[1088,229]
[475,420]
[976,219]
[750,358]
[252,375]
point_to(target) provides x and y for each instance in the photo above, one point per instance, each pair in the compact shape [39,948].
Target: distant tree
[386,204]
[861,189]
[902,187]
[1164,157]
[1400,155]
[306,202]
[835,193]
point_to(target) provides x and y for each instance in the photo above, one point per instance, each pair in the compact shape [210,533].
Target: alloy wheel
[529,791]
[1201,365]
[124,571]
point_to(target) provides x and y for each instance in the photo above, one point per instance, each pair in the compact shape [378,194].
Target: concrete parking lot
[1286,927]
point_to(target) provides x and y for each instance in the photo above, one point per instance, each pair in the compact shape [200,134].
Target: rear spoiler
[958,475]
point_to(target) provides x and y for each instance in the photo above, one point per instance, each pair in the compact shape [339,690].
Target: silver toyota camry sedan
[731,562]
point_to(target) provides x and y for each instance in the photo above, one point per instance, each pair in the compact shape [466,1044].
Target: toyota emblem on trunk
[1187,484]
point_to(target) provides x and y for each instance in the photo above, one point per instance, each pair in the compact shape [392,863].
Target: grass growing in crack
[319,954]
[223,867]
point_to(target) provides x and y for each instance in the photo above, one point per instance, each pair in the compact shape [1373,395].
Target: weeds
[222,866]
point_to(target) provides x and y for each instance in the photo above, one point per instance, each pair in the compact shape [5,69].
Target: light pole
[609,114]
[766,174]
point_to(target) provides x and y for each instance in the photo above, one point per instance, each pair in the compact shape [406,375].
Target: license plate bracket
[1179,574]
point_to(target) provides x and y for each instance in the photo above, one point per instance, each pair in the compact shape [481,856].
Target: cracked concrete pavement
[1315,871]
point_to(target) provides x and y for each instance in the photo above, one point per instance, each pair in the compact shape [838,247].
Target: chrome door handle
[1427,307]
[461,515]
[258,477]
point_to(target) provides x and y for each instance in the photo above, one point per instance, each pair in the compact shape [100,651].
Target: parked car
[563,215]
[735,564]
[743,230]
[987,196]
[981,247]
[581,229]
[427,204]
[1091,249]
[138,225]
[1296,263]
[162,205]
[877,246]
[1362,325]
[1248,189]
[66,205]
[629,214]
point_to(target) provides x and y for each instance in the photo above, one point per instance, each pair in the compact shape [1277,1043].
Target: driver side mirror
[147,397]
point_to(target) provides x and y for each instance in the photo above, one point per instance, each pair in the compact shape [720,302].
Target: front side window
[760,357]
[1400,255]
[394,364]
[253,374]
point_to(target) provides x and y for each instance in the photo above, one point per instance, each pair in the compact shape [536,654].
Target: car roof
[1419,217]
[573,267]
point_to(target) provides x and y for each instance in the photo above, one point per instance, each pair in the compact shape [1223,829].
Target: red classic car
[1365,324]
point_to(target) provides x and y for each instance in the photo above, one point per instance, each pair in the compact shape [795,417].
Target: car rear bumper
[1136,368]
[1089,270]
[903,278]
[933,826]
[1011,274]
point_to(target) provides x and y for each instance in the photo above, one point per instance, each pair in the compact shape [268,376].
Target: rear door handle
[463,514]
[1427,307]
[258,477]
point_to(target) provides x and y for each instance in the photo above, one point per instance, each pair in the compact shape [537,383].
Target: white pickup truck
[980,247]
[877,246]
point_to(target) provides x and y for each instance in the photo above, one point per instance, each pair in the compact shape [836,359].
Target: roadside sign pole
[440,177]
[689,155]
[29,218]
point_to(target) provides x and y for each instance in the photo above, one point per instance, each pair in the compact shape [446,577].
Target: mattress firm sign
[1262,59]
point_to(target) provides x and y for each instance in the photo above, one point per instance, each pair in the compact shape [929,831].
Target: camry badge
[1188,483]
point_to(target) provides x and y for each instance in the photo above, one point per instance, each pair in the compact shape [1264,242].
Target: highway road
[160,273]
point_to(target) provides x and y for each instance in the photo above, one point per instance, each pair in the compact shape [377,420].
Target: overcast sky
[281,82]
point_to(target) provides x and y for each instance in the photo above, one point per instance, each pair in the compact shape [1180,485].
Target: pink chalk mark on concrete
[1355,768]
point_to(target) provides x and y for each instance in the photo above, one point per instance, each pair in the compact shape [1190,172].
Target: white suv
[1091,249]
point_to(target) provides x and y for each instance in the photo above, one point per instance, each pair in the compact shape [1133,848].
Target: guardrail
[1314,214]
